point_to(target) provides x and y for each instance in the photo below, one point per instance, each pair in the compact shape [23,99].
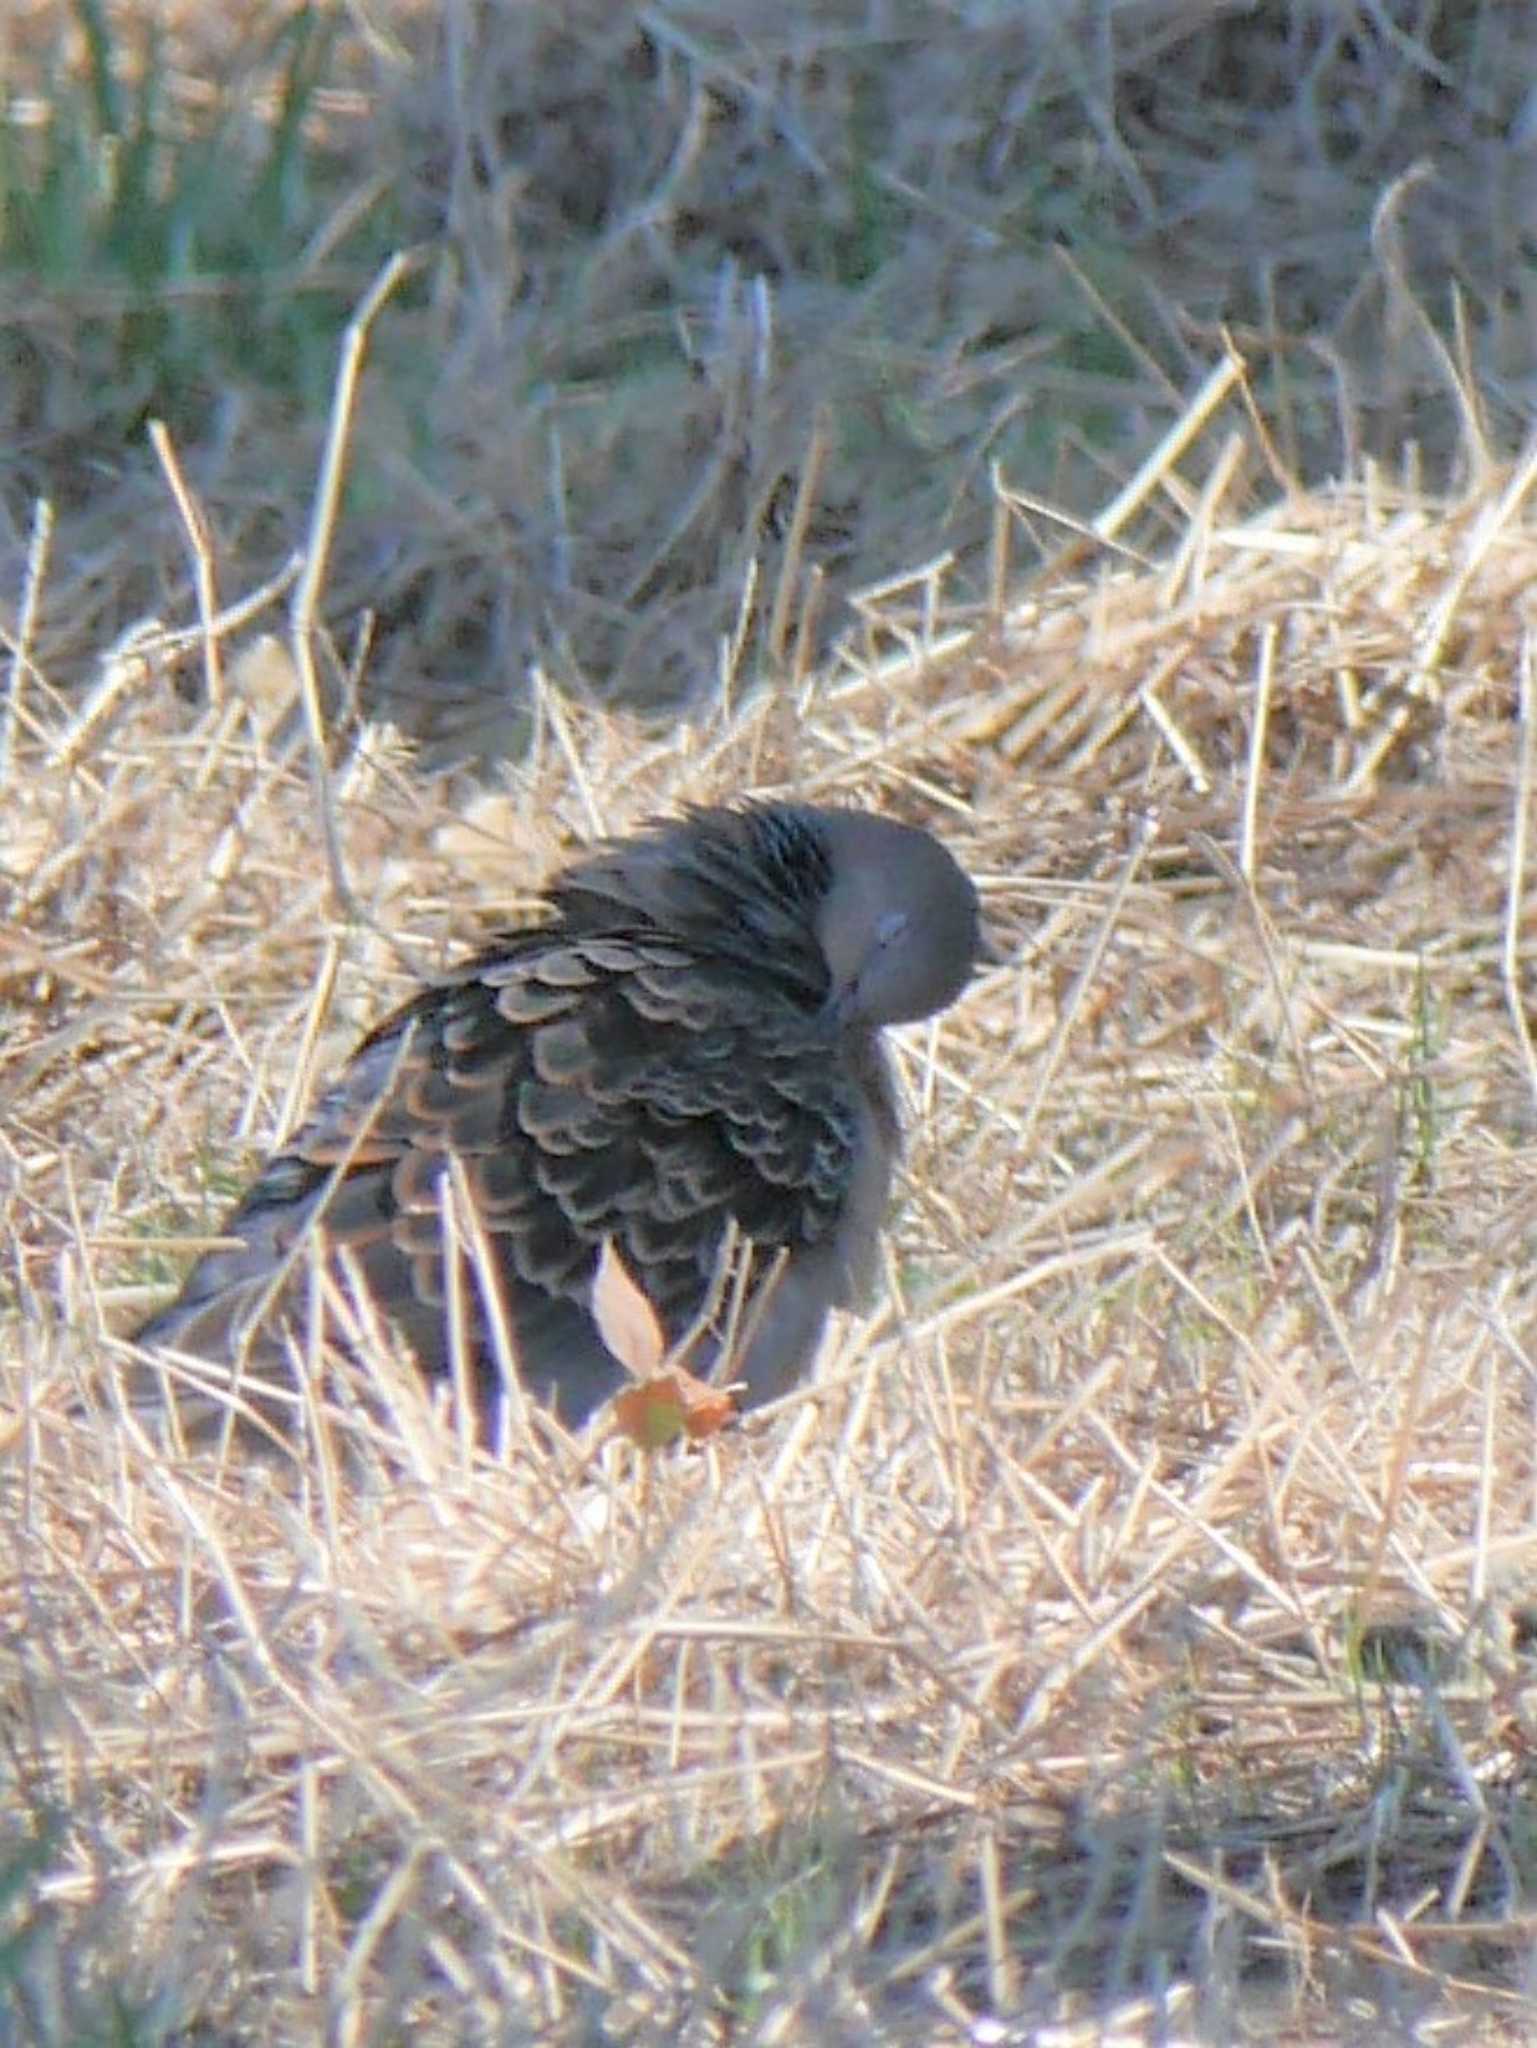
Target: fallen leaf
[666,1401]
[626,1321]
[655,1412]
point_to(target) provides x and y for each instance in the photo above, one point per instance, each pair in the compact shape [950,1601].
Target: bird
[682,1059]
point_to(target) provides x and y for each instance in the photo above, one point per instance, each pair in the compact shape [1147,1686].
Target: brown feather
[688,1048]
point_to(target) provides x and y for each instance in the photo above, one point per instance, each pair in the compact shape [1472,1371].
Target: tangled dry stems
[1134,1608]
[691,268]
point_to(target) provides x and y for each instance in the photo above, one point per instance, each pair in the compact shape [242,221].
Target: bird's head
[898,923]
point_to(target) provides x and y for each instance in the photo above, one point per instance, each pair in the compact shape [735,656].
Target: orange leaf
[666,1401]
[626,1321]
[655,1412]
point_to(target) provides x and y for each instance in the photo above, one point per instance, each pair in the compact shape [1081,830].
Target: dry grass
[1132,1628]
[1129,1622]
[686,267]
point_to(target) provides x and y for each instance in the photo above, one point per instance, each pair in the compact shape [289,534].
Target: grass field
[718,313]
[1129,1635]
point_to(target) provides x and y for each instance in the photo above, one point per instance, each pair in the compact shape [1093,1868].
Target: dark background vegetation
[667,251]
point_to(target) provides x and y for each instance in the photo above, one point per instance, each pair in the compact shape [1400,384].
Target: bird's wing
[593,1087]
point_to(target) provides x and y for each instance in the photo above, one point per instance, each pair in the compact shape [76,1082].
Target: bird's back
[684,1058]
[594,1085]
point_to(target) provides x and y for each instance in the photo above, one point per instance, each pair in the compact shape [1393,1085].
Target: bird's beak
[841,1003]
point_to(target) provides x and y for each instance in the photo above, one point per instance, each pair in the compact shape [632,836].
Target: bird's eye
[890,927]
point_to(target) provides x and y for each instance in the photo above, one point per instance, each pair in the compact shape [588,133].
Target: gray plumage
[690,1039]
